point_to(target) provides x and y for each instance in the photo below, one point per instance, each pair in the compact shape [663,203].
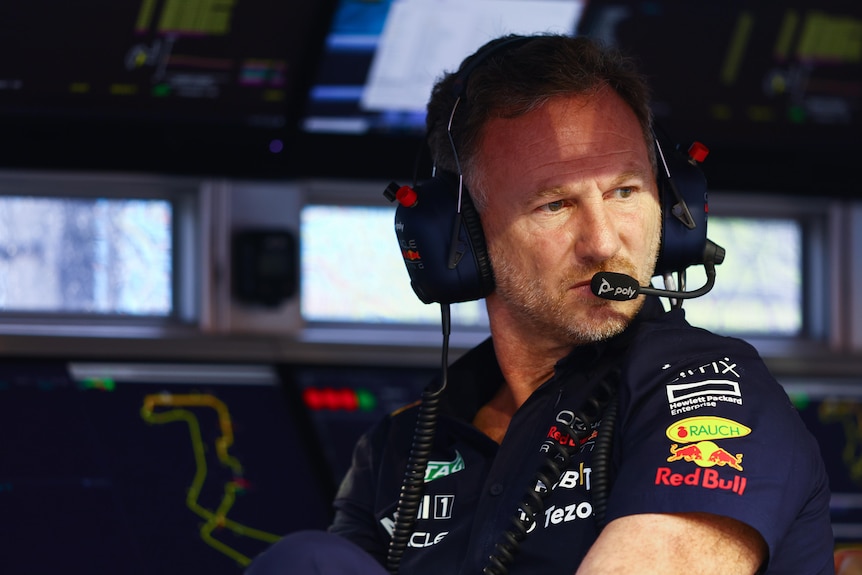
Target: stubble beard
[555,314]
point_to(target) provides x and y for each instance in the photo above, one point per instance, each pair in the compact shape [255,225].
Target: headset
[443,246]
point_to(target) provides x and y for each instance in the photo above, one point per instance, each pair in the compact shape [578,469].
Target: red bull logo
[411,255]
[689,453]
[705,454]
[706,478]
[566,439]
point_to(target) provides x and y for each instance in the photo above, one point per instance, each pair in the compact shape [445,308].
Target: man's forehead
[553,137]
[576,120]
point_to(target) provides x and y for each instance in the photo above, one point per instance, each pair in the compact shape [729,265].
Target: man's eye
[624,193]
[554,206]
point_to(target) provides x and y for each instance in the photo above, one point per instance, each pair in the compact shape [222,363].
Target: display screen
[141,468]
[773,88]
[106,256]
[777,74]
[832,410]
[767,68]
[185,86]
[381,59]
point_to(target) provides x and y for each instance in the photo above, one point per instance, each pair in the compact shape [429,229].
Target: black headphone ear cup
[684,207]
[443,248]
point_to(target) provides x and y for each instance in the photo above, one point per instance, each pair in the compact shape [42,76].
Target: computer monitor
[172,86]
[772,89]
[832,410]
[142,467]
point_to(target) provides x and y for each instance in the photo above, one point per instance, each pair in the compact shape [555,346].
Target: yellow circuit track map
[166,408]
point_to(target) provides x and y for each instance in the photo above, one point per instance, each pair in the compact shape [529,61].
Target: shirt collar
[475,377]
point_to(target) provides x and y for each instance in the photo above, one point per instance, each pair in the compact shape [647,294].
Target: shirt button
[496,489]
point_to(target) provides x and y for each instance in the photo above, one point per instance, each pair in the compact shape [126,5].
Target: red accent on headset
[698,152]
[406,196]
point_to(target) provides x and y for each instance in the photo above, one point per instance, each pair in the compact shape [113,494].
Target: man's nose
[597,235]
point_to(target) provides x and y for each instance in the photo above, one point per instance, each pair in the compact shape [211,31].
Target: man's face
[570,192]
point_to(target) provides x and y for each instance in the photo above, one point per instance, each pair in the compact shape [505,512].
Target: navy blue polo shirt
[701,426]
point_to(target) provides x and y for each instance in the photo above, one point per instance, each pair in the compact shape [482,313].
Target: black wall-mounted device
[265,266]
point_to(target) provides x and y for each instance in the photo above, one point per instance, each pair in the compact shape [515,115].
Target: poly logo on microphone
[604,289]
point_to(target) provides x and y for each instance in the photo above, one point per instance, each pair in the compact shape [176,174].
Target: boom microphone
[621,287]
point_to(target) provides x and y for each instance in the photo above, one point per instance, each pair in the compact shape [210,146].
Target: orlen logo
[705,427]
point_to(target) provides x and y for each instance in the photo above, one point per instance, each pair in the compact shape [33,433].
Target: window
[86,255]
[758,287]
[114,250]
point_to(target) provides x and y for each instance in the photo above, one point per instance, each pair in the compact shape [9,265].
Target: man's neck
[524,367]
[526,357]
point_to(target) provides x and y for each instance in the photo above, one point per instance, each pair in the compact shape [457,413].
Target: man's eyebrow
[632,175]
[555,192]
[550,193]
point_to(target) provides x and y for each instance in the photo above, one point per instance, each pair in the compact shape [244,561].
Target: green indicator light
[102,383]
[796,114]
[365,400]
[161,90]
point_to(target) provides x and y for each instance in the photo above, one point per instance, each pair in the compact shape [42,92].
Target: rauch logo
[701,428]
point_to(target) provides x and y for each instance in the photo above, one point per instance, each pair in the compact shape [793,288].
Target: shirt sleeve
[354,503]
[705,427]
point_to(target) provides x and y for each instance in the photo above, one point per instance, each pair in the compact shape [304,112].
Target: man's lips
[581,285]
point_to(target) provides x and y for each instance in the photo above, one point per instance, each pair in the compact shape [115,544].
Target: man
[553,138]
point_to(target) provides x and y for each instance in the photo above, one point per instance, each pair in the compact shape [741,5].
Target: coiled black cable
[412,487]
[602,457]
[414,478]
[551,469]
